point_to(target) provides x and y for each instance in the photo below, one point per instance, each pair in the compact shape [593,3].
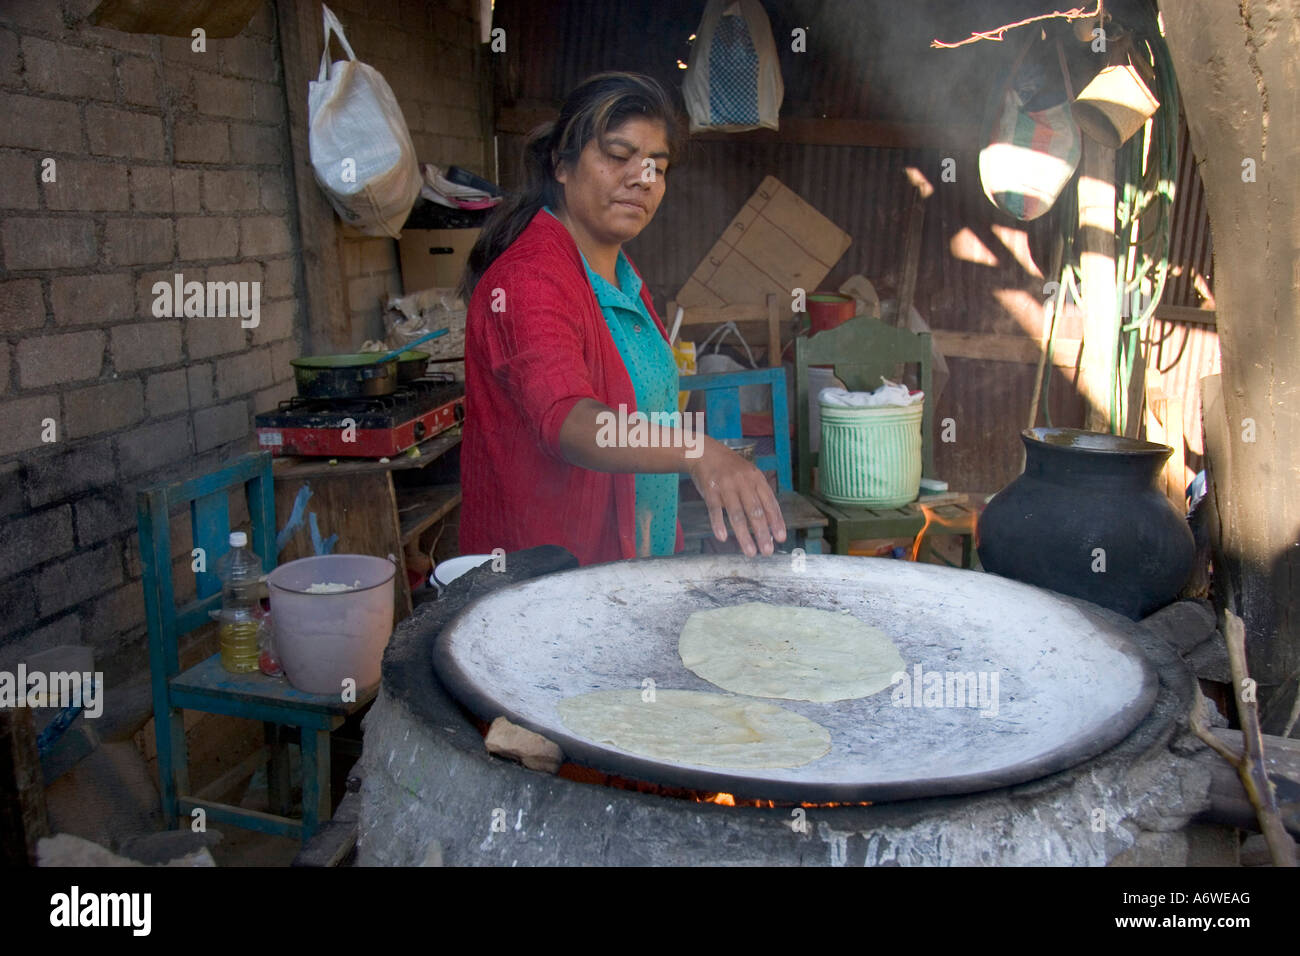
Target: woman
[562,339]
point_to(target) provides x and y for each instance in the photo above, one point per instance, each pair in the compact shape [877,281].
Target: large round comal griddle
[1070,685]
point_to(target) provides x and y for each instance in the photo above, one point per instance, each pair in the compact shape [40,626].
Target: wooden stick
[1250,763]
[1076,13]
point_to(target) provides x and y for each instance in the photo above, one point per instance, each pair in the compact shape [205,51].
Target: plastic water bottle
[241,610]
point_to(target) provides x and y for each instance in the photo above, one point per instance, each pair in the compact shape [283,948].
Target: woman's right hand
[727,481]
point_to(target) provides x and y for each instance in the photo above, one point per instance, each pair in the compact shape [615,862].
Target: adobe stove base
[432,794]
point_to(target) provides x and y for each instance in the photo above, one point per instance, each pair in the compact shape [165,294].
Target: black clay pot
[1086,519]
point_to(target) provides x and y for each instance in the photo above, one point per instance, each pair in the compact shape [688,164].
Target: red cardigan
[544,347]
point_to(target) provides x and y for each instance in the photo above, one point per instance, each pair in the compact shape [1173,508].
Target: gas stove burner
[372,427]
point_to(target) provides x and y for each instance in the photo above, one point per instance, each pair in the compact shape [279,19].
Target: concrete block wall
[165,160]
[428,54]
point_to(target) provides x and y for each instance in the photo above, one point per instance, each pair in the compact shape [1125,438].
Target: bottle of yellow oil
[240,618]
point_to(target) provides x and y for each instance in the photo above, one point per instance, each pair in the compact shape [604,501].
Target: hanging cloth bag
[1030,156]
[733,81]
[361,150]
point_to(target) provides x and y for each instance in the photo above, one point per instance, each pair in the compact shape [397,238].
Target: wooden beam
[1004,348]
[522,117]
[1183,313]
[328,326]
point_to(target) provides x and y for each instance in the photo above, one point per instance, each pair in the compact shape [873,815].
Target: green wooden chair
[207,686]
[861,351]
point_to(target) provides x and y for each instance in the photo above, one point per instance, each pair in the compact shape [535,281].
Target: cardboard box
[434,258]
[776,243]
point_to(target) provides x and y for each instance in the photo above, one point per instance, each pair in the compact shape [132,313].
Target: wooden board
[776,243]
[360,507]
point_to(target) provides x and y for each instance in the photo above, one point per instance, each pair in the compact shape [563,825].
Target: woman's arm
[724,479]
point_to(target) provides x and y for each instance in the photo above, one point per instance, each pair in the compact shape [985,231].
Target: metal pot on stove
[344,376]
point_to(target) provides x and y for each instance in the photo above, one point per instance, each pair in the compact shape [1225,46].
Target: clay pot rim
[1102,443]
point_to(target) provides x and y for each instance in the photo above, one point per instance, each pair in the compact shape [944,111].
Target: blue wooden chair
[208,686]
[722,421]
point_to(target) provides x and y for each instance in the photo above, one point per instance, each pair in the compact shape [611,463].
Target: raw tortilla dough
[795,653]
[689,727]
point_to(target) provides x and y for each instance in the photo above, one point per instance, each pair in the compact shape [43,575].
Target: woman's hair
[600,103]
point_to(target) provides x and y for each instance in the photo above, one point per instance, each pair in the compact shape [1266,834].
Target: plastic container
[240,572]
[870,456]
[324,639]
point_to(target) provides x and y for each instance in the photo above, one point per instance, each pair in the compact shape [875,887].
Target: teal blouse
[653,371]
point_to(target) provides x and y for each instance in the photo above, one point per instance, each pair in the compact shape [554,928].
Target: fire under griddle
[1070,683]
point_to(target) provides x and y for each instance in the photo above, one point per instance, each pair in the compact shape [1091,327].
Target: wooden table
[357,500]
[802,520]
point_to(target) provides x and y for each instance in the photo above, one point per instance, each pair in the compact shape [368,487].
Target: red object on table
[829,309]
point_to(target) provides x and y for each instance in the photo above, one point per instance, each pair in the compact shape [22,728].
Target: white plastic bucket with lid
[870,456]
[326,638]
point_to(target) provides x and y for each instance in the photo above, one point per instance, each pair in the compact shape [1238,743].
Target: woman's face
[613,191]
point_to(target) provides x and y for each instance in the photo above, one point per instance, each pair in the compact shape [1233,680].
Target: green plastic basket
[871,456]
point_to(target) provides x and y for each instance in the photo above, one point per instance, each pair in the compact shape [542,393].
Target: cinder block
[241,374]
[32,539]
[220,424]
[81,576]
[248,56]
[102,516]
[151,189]
[152,446]
[230,190]
[206,337]
[18,182]
[34,122]
[281,278]
[277,322]
[186,186]
[57,359]
[146,345]
[139,81]
[138,241]
[25,419]
[48,243]
[199,380]
[38,15]
[18,598]
[222,96]
[378,255]
[87,186]
[12,499]
[201,141]
[103,408]
[257,145]
[116,132]
[86,73]
[268,103]
[144,287]
[21,305]
[11,67]
[67,473]
[166,393]
[273,192]
[282,353]
[207,237]
[97,299]
[261,236]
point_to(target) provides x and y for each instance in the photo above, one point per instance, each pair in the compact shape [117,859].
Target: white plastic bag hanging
[733,81]
[361,150]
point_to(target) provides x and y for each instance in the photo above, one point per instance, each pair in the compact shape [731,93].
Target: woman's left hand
[727,481]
